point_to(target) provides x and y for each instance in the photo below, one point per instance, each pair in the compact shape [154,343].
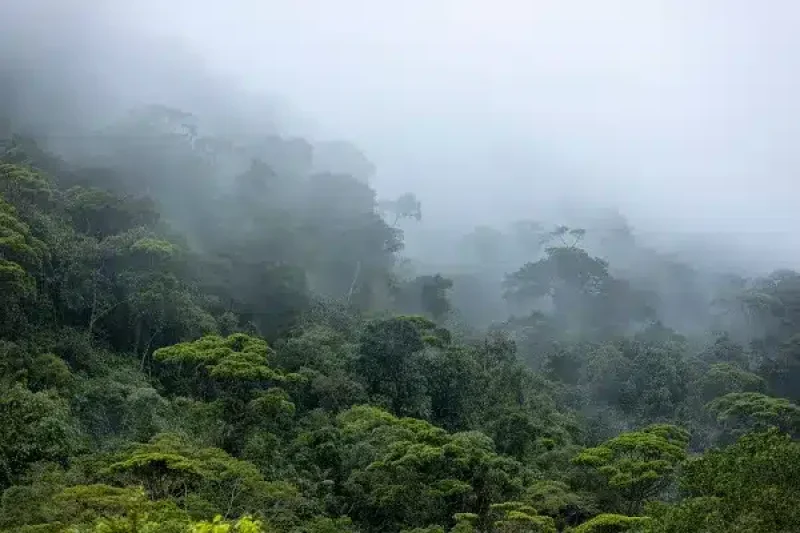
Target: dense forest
[204,333]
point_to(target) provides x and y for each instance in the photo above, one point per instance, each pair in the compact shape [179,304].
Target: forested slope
[215,335]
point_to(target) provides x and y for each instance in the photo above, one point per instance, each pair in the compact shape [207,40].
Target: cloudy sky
[684,113]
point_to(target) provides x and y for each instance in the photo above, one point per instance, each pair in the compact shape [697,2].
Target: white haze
[682,113]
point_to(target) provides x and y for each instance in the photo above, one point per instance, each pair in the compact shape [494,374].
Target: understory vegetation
[205,334]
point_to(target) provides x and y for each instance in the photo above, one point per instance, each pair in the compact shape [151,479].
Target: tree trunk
[355,280]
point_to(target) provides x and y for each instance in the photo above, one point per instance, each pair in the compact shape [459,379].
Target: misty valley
[213,323]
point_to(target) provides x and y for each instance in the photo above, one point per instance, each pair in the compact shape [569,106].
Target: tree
[169,467]
[782,368]
[36,371]
[101,213]
[517,517]
[406,472]
[613,523]
[568,237]
[639,465]
[771,307]
[89,508]
[563,268]
[236,372]
[404,206]
[578,288]
[425,295]
[242,525]
[238,357]
[740,412]
[325,358]
[649,378]
[17,243]
[452,380]
[213,333]
[25,188]
[34,426]
[390,360]
[135,290]
[724,378]
[117,403]
[21,259]
[556,500]
[750,486]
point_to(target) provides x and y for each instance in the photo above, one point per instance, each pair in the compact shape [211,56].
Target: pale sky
[682,112]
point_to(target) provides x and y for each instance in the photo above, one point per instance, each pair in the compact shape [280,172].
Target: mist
[369,267]
[681,115]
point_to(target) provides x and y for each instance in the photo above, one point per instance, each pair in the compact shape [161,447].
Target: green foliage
[453,377]
[169,467]
[236,372]
[16,241]
[412,473]
[563,269]
[91,508]
[744,411]
[517,517]
[584,295]
[23,186]
[110,508]
[750,486]
[612,523]
[324,357]
[238,357]
[726,355]
[117,403]
[217,335]
[724,378]
[638,465]
[557,500]
[218,525]
[390,358]
[427,295]
[34,426]
[327,525]
[21,259]
[101,213]
[657,380]
[38,371]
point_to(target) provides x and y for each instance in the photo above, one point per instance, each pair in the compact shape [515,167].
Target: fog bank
[680,113]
